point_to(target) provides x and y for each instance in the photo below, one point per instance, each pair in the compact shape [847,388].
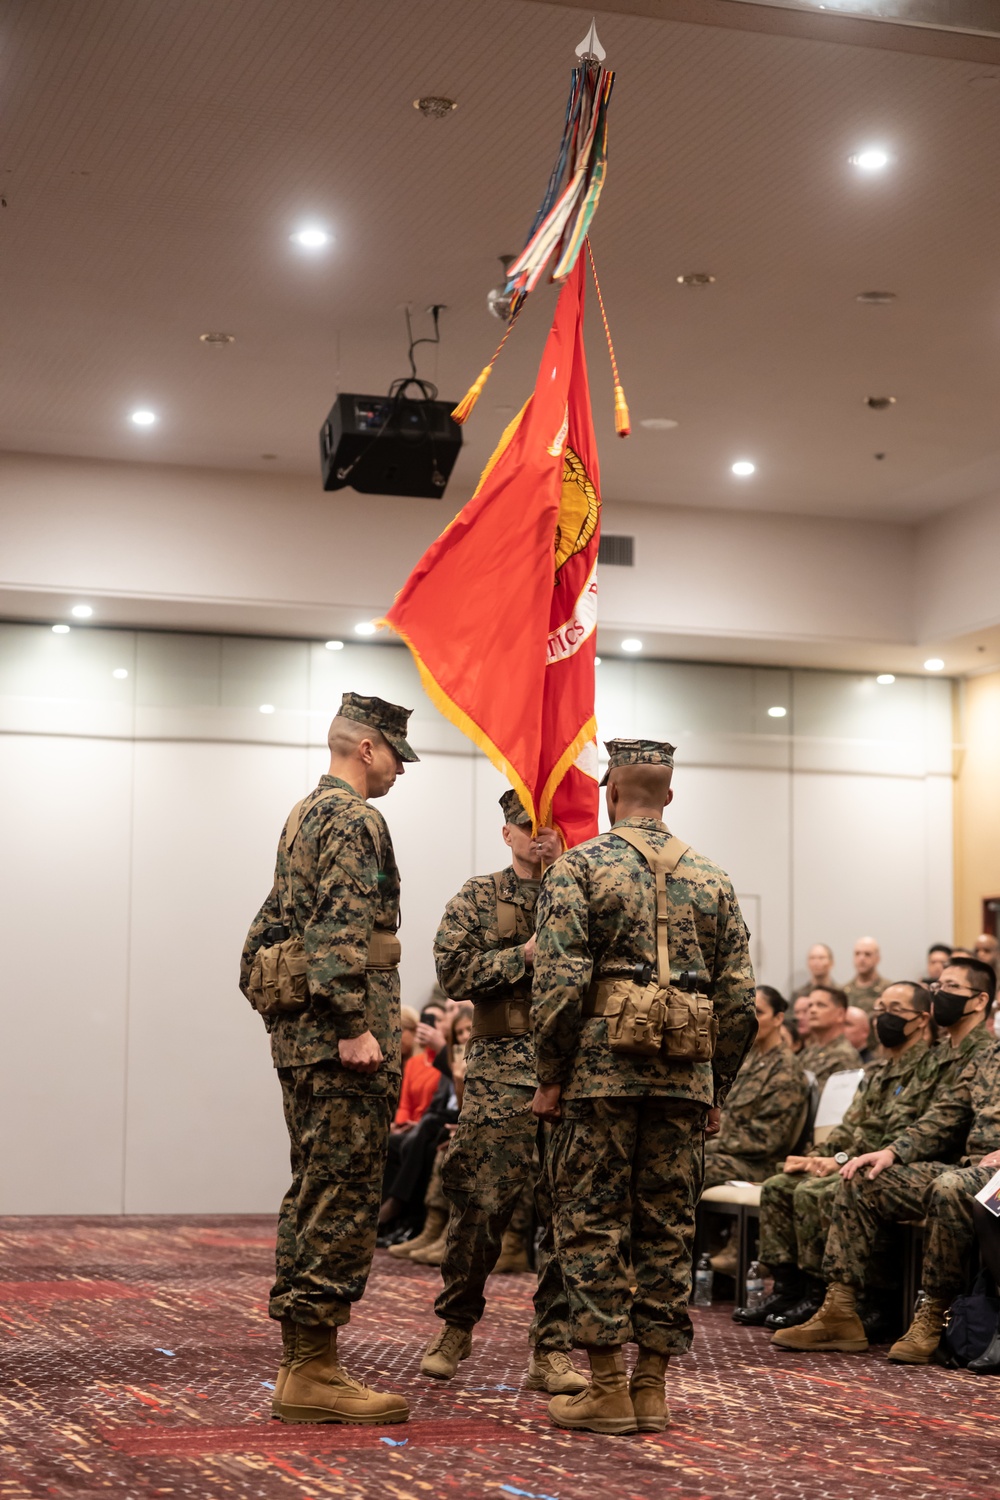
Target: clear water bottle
[703,1278]
[755,1286]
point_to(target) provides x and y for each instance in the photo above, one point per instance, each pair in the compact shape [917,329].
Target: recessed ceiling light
[217,340]
[934,664]
[885,679]
[81,611]
[334,645]
[777,712]
[695,278]
[871,159]
[657,424]
[597,661]
[121,673]
[434,106]
[267,708]
[60,630]
[743,467]
[365,627]
[876,299]
[311,237]
[143,417]
[631,644]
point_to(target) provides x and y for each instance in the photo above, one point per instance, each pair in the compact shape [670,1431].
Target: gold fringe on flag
[623,425]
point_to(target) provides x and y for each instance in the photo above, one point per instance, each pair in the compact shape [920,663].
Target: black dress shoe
[800,1312]
[777,1302]
[394,1234]
[880,1327]
[987,1363]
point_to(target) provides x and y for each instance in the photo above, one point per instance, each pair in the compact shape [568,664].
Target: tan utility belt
[498,1018]
[596,998]
[384,950]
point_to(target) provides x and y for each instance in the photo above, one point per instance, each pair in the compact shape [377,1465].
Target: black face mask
[949,1008]
[890,1029]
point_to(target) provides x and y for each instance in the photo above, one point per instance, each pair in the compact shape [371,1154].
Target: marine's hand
[529,952]
[795,1163]
[546,845]
[821,1166]
[991,1160]
[875,1161]
[362,1054]
[429,1036]
[547,1102]
[713,1122]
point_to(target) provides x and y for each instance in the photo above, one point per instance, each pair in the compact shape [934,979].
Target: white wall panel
[204,1127]
[65,809]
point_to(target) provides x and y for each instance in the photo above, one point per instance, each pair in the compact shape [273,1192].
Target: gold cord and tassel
[623,425]
[463,410]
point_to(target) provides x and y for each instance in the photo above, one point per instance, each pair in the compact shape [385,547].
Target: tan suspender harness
[510,1017]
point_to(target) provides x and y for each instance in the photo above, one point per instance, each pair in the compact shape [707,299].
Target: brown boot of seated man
[921,1339]
[605,1404]
[836,1327]
[318,1389]
[435,1225]
[287,1355]
[513,1255]
[449,1346]
[648,1393]
[552,1370]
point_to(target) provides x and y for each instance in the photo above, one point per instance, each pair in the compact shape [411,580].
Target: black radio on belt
[277,933]
[688,981]
[642,974]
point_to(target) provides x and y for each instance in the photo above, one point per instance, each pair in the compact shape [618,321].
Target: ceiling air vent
[617,551]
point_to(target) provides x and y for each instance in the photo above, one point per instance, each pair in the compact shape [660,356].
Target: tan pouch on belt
[644,1020]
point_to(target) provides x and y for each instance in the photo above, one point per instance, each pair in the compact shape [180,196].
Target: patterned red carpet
[137,1361]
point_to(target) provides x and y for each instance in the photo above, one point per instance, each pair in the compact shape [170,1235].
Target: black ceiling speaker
[389,445]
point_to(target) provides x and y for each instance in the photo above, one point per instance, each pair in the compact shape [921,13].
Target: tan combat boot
[317,1389]
[724,1261]
[433,1253]
[835,1327]
[513,1254]
[605,1405]
[920,1340]
[435,1225]
[287,1355]
[647,1390]
[552,1370]
[446,1350]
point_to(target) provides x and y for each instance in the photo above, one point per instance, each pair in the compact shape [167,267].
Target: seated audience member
[987,949]
[867,984]
[987,1227]
[938,955]
[420,1076]
[795,1205]
[858,1031]
[913,1178]
[819,962]
[800,1015]
[828,1050]
[409,1021]
[790,1039]
[764,1103]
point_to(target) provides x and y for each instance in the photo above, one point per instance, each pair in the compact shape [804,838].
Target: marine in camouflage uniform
[765,1101]
[493,1157]
[337,889]
[626,1159]
[823,1059]
[934,1175]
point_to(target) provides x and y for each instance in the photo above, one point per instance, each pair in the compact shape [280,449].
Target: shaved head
[638,791]
[345,735]
[363,757]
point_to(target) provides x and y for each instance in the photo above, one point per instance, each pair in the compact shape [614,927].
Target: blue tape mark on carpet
[169,1352]
[509,1489]
[268,1384]
[395,1442]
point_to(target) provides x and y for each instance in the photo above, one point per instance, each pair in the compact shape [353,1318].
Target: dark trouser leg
[416,1158]
[550,1327]
[720,1168]
[861,1209]
[326,1235]
[666,1185]
[489,1162]
[592,1152]
[812,1206]
[778,1245]
[950,1238]
[987,1227]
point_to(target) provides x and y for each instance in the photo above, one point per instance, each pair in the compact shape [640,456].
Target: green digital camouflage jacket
[864,996]
[764,1104]
[822,1059]
[894,1092]
[473,964]
[595,919]
[344,881]
[951,1123]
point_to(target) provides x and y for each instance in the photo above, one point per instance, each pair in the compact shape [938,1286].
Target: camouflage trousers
[795,1214]
[720,1168]
[626,1177]
[326,1224]
[927,1189]
[491,1159]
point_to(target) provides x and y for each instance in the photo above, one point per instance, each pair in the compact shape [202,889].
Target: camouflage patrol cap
[637,753]
[513,812]
[388,718]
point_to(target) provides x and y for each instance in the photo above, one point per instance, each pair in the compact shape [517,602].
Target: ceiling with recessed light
[159,155]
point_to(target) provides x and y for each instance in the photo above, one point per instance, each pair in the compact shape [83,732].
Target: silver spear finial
[590,49]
